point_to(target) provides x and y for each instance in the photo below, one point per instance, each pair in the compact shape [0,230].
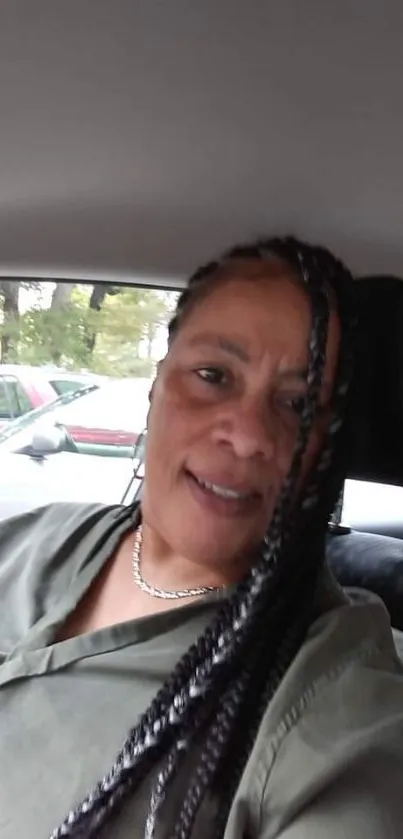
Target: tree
[60,302]
[61,295]
[104,328]
[96,301]
[9,293]
[123,323]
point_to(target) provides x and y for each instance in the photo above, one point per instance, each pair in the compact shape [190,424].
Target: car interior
[139,138]
[374,560]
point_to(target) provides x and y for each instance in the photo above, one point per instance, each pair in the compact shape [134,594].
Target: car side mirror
[46,440]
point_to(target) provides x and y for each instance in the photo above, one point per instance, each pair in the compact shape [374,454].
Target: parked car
[23,388]
[83,446]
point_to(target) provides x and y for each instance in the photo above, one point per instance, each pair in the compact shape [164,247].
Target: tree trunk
[151,333]
[98,294]
[9,291]
[60,299]
[62,295]
[97,300]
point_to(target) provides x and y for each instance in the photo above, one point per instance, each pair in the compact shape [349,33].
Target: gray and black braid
[242,657]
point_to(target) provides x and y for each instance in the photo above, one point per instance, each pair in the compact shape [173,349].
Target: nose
[248,430]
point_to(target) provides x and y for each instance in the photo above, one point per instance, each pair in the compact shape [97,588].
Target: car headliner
[138,138]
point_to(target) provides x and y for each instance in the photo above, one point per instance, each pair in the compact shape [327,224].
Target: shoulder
[337,716]
[50,524]
[42,542]
[42,553]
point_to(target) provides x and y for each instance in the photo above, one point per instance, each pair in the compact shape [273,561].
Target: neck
[167,569]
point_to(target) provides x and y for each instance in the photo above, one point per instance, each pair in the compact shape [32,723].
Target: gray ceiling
[139,137]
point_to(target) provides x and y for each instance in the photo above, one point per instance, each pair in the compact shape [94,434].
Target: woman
[265,701]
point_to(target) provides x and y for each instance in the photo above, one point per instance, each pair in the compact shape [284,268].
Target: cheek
[167,427]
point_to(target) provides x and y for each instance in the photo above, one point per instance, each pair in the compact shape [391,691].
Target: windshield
[102,341]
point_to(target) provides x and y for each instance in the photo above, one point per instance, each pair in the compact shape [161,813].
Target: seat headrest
[365,560]
[377,391]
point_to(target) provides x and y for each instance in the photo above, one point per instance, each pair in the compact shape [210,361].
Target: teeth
[224,492]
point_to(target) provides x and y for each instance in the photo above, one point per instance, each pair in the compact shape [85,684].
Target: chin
[216,548]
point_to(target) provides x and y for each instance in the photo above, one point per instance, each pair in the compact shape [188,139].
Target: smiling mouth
[224,492]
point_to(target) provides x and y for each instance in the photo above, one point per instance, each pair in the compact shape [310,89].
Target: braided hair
[218,692]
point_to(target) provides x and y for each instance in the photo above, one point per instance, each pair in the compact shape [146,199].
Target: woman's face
[225,412]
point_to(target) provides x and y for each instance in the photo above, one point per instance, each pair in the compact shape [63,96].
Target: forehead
[265,309]
[252,296]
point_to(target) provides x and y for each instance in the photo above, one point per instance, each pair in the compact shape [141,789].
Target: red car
[23,388]
[103,420]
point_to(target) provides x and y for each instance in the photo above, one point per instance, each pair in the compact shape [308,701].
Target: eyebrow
[234,348]
[218,342]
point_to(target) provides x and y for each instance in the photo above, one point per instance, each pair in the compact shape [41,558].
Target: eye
[212,375]
[295,403]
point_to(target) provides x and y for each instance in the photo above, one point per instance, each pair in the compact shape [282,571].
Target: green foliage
[58,326]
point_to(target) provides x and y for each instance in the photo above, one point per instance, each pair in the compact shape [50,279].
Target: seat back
[364,560]
[377,391]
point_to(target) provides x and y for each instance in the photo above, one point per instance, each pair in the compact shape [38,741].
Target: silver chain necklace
[160,592]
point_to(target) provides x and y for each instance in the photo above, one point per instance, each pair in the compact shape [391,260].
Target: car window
[5,400]
[117,405]
[13,399]
[21,397]
[105,420]
[65,385]
[110,335]
[39,414]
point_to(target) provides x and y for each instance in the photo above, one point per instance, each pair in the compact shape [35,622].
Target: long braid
[214,663]
[260,692]
[239,711]
[251,655]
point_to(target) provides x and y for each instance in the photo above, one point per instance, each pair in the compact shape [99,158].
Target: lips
[223,495]
[224,491]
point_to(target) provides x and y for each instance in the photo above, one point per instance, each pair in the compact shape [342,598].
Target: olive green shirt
[328,759]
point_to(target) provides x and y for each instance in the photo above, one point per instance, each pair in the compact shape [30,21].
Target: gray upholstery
[372,562]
